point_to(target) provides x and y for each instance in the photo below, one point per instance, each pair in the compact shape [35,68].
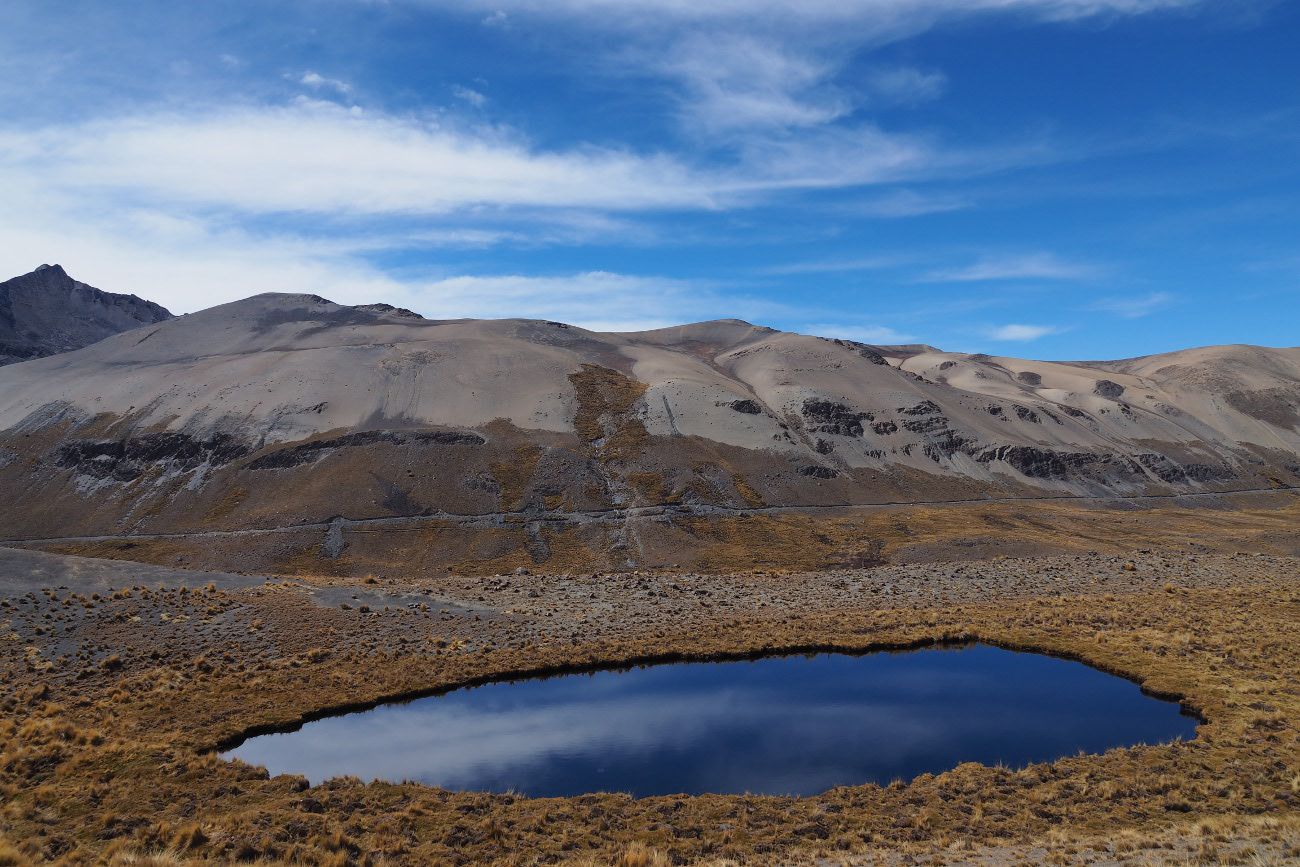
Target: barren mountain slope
[47,312]
[284,409]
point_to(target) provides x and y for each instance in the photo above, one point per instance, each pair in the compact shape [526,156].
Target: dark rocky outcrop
[1038,463]
[872,356]
[128,459]
[825,416]
[304,453]
[389,308]
[47,312]
[1029,378]
[746,406]
[1107,389]
[925,407]
[818,472]
[1167,470]
[862,349]
[933,424]
[1162,467]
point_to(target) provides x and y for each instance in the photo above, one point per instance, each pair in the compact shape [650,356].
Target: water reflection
[781,725]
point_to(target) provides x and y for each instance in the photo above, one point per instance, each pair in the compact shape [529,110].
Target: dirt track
[669,511]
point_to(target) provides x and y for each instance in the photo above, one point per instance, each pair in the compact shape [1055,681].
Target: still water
[790,725]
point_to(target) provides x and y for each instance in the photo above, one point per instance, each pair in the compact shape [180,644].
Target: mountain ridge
[282,409]
[46,312]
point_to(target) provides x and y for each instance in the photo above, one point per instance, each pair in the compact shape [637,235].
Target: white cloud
[908,203]
[1134,307]
[203,208]
[584,299]
[318,157]
[315,157]
[876,15]
[736,82]
[877,334]
[755,65]
[832,157]
[1023,333]
[907,84]
[469,95]
[189,263]
[1033,266]
[838,266]
[316,81]
[186,266]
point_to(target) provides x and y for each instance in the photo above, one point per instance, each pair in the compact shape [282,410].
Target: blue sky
[1048,178]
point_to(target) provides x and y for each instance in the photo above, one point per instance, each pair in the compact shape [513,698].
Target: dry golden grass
[514,475]
[606,399]
[793,541]
[11,857]
[109,763]
[747,493]
[227,506]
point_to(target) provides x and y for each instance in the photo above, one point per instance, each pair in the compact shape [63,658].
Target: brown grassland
[797,540]
[115,700]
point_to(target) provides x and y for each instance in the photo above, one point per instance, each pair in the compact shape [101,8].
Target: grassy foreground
[114,700]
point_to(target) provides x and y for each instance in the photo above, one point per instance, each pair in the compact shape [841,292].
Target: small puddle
[780,725]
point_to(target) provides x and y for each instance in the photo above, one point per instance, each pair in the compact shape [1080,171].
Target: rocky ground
[120,679]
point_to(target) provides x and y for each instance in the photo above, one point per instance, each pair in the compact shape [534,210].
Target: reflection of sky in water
[785,725]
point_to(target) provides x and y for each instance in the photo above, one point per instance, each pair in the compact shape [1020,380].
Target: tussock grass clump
[11,857]
[639,855]
[164,858]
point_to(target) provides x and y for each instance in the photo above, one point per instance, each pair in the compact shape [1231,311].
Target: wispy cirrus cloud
[316,81]
[839,266]
[469,95]
[906,84]
[739,82]
[301,197]
[319,157]
[598,300]
[1020,333]
[323,158]
[863,333]
[188,265]
[772,64]
[1134,307]
[907,203]
[1031,266]
[878,16]
[189,262]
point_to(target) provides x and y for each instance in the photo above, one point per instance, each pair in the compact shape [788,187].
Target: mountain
[284,411]
[47,312]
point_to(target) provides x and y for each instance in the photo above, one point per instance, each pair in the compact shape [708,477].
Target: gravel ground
[110,665]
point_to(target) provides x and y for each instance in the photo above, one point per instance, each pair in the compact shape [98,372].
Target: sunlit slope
[290,407]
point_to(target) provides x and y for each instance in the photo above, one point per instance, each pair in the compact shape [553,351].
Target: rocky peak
[46,312]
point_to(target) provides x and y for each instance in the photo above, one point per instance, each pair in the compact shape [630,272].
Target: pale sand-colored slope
[283,367]
[1175,397]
